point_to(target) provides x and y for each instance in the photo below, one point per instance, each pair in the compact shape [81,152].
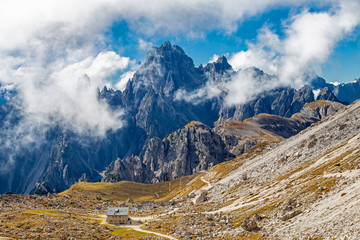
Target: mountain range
[166,138]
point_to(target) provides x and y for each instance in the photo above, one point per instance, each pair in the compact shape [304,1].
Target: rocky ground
[64,217]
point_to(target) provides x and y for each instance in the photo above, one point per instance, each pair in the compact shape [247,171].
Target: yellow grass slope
[124,190]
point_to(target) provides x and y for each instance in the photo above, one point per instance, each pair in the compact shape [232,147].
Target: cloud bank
[309,39]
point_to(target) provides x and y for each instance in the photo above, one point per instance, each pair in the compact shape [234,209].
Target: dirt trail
[154,216]
[138,228]
[209,185]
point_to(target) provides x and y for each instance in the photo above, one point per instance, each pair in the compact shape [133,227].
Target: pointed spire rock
[327,94]
[220,66]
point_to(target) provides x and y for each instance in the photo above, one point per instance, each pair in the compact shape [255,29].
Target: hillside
[306,186]
[124,190]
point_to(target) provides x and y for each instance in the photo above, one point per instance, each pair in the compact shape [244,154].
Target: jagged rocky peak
[166,69]
[327,94]
[223,61]
[168,47]
[169,56]
[220,66]
[112,97]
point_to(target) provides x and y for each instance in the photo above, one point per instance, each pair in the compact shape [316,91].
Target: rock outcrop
[239,137]
[283,102]
[327,94]
[191,149]
[347,93]
[288,127]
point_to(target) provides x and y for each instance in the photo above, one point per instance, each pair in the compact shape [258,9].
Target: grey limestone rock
[249,224]
[201,198]
[188,150]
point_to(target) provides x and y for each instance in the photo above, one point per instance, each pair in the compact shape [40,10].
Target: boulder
[201,198]
[249,224]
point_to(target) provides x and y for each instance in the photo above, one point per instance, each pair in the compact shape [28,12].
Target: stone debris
[201,198]
[249,224]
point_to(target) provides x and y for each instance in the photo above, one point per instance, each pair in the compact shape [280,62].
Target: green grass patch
[47,212]
[128,233]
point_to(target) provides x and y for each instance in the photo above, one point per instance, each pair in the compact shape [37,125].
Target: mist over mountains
[147,120]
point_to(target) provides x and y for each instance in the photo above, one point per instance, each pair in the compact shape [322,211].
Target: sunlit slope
[124,190]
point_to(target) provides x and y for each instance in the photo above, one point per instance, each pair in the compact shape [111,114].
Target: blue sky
[344,63]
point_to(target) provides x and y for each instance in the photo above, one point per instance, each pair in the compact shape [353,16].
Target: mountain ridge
[150,111]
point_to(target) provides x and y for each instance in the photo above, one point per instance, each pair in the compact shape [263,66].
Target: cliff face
[282,102]
[288,127]
[188,150]
[348,92]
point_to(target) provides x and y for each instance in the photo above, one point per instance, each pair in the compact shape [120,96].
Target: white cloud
[214,58]
[262,54]
[195,17]
[144,45]
[21,20]
[68,96]
[121,84]
[316,93]
[335,83]
[236,89]
[309,39]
